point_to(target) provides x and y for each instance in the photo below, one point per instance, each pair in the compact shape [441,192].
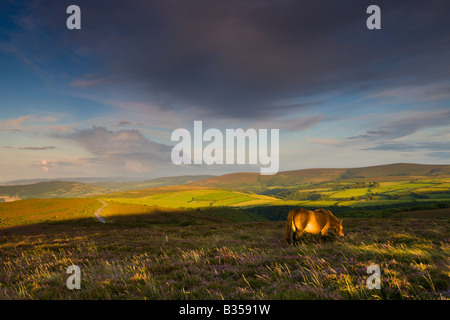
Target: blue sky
[103,100]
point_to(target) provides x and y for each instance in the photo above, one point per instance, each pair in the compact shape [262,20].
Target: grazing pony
[302,220]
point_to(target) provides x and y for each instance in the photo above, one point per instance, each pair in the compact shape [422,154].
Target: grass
[223,260]
[51,189]
[349,193]
[197,199]
[420,186]
[28,212]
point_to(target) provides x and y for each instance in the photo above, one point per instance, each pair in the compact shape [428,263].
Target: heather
[225,260]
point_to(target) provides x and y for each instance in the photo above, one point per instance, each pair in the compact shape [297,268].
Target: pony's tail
[289,224]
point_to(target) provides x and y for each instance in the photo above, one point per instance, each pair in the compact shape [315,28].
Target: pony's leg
[323,233]
[297,236]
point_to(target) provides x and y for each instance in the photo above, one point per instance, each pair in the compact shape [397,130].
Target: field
[225,260]
[345,195]
[181,198]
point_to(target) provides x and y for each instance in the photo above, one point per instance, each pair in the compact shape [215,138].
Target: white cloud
[123,150]
[27,122]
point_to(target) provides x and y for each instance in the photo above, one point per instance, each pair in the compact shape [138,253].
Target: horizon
[102,101]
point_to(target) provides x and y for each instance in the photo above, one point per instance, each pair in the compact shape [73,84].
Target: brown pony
[302,220]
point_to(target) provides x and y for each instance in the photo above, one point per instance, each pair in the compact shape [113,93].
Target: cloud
[92,81]
[371,134]
[403,146]
[15,124]
[124,123]
[37,148]
[299,124]
[292,65]
[326,142]
[439,154]
[25,122]
[239,59]
[415,93]
[404,124]
[126,150]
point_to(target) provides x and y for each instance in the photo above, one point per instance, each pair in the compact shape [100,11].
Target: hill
[390,172]
[189,197]
[50,189]
[115,186]
[84,187]
[46,211]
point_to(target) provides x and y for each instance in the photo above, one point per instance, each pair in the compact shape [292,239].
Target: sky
[103,101]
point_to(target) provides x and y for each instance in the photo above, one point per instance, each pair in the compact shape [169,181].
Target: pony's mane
[334,218]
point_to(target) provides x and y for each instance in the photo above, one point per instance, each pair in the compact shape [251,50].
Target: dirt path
[97,213]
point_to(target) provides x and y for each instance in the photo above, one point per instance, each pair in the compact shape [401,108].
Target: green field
[343,194]
[198,199]
[349,193]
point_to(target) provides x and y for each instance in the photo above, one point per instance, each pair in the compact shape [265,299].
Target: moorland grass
[223,260]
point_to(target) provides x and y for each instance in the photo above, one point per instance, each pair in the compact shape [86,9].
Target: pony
[301,220]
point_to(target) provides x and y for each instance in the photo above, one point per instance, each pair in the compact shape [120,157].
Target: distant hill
[76,189]
[116,181]
[116,186]
[50,189]
[390,172]
[237,181]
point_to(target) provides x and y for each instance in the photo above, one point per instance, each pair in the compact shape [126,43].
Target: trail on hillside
[97,213]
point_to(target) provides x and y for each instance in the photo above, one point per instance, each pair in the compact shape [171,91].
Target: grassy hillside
[74,189]
[391,172]
[190,197]
[131,214]
[47,211]
[51,189]
[351,197]
[229,261]
[253,182]
[116,186]
[346,197]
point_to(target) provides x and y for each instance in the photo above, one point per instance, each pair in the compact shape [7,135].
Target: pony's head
[338,229]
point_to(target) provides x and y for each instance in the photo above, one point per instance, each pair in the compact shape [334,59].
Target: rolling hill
[253,182]
[189,197]
[115,186]
[390,172]
[50,189]
[84,187]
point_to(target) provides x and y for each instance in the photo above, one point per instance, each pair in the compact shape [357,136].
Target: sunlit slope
[33,211]
[390,172]
[191,197]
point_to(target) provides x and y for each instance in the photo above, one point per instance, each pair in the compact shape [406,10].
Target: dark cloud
[240,58]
